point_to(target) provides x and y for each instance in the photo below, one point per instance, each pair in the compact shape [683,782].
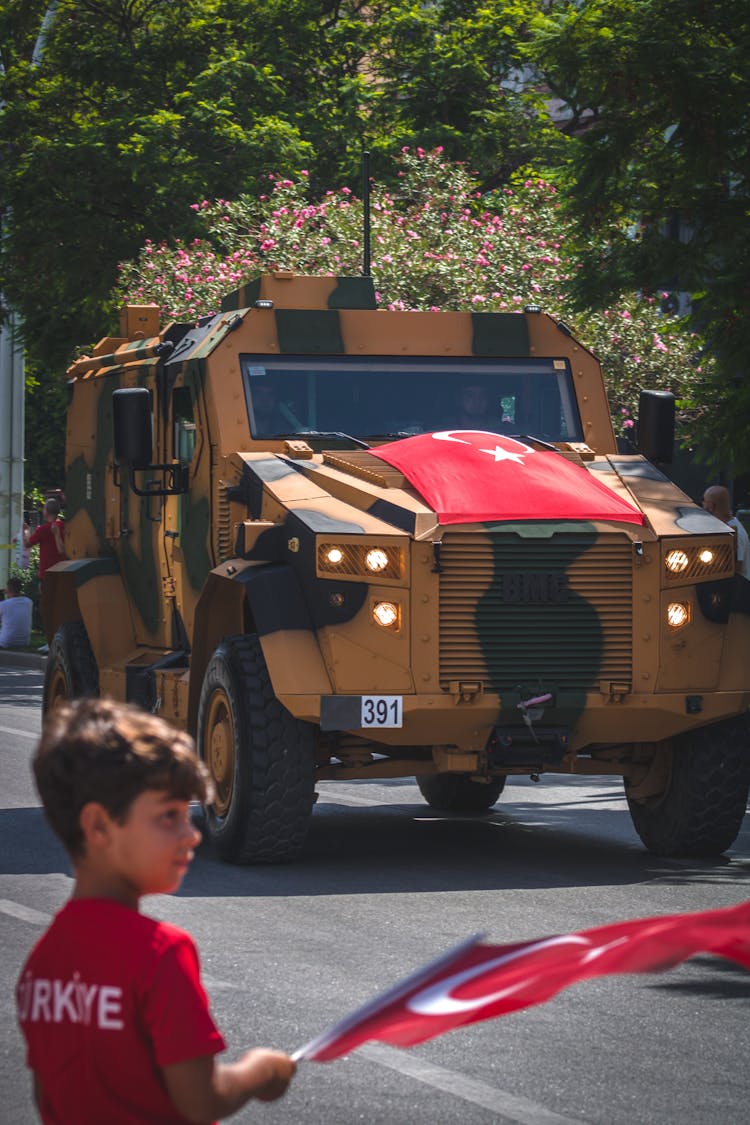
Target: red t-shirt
[106,999]
[48,552]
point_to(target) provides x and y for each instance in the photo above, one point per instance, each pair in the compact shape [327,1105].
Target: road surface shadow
[727,980]
[387,849]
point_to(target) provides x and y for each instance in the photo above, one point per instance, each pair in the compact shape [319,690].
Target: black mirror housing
[133,427]
[656,425]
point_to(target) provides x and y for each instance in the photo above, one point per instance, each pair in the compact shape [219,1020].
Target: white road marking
[25,913]
[509,1106]
[328,798]
[20,733]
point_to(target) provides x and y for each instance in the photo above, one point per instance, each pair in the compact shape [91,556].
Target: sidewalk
[18,658]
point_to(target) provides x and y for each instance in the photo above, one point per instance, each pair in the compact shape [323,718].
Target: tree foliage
[138,107]
[659,174]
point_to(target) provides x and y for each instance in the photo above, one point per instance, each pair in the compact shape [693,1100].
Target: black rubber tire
[701,810]
[71,670]
[456,792]
[261,759]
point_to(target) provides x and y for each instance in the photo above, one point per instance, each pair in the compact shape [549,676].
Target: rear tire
[71,670]
[700,811]
[261,759]
[456,792]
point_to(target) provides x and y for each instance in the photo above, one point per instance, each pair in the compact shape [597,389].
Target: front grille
[518,612]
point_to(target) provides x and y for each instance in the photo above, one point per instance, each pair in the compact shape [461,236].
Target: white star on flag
[501,454]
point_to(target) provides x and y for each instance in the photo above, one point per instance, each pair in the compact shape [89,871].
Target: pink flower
[628,423]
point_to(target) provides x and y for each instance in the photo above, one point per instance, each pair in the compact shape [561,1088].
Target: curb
[12,658]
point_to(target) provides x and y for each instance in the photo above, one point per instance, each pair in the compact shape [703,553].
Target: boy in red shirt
[110,1001]
[50,536]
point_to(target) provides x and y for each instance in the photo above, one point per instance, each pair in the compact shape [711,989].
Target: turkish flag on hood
[471,476]
[476,982]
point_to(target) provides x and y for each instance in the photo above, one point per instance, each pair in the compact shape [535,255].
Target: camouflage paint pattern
[489,614]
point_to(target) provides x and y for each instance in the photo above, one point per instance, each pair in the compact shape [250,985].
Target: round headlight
[678,614]
[677,561]
[376,559]
[385,614]
[334,555]
[706,556]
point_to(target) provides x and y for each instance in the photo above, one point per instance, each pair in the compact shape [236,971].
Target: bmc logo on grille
[531,587]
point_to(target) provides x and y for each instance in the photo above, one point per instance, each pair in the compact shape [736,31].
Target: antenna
[366,212]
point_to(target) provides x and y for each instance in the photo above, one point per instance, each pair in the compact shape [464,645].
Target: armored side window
[184,424]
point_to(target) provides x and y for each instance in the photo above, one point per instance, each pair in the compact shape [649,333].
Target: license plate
[382,711]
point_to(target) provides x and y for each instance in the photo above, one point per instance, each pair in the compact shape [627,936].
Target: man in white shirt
[15,617]
[716,501]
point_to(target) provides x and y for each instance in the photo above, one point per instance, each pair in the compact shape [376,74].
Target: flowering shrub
[437,243]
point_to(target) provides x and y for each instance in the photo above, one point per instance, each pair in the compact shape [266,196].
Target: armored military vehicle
[339,542]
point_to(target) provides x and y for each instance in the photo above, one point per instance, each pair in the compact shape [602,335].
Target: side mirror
[133,427]
[656,425]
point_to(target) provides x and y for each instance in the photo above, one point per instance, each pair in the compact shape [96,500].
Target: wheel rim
[218,740]
[58,687]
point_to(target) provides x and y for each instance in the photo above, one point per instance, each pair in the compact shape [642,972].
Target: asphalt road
[387,884]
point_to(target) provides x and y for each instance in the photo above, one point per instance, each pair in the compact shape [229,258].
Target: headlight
[678,614]
[376,559]
[386,614]
[334,555]
[677,561]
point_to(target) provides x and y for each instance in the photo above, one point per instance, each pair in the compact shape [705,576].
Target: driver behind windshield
[267,419]
[474,410]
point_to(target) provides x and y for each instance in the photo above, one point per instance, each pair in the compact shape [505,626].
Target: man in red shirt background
[50,535]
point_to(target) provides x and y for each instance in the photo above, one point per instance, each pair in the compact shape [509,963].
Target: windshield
[383,397]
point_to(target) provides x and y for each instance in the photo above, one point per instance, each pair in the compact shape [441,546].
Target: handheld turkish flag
[469,476]
[475,981]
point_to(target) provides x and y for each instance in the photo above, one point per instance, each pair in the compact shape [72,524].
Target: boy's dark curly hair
[99,750]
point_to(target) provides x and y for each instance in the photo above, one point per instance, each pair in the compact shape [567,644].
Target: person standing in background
[716,501]
[50,535]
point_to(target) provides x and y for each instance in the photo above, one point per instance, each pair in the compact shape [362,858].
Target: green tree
[659,172]
[139,107]
[133,108]
[451,74]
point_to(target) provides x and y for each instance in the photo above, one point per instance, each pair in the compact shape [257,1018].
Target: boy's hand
[203,1089]
[269,1072]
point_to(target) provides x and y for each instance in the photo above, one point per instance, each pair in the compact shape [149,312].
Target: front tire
[261,759]
[71,670]
[456,792]
[700,811]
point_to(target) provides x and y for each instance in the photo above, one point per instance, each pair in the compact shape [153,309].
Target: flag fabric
[469,476]
[475,981]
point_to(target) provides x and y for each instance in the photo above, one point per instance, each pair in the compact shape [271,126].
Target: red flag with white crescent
[469,476]
[476,981]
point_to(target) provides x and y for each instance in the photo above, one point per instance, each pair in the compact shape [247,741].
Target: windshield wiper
[531,440]
[332,434]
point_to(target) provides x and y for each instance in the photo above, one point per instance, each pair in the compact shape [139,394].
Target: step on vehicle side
[287,536]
